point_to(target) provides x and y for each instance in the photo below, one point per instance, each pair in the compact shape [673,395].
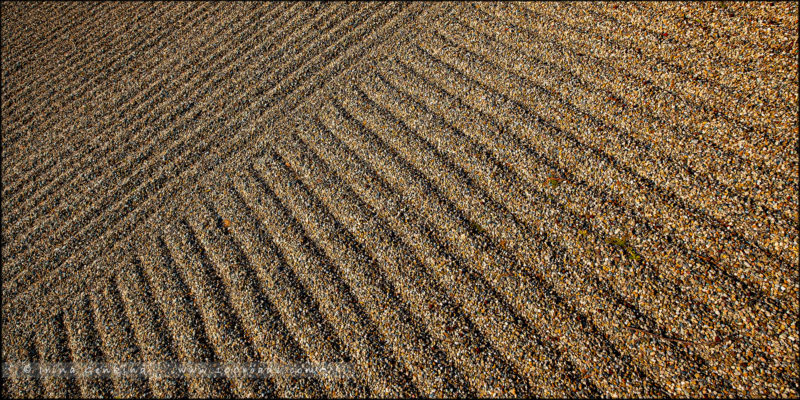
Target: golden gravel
[456,199]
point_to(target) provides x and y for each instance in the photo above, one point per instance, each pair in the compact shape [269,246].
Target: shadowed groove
[356,257]
[69,154]
[78,24]
[393,234]
[53,345]
[746,201]
[672,68]
[225,316]
[149,149]
[53,103]
[155,343]
[423,78]
[438,198]
[81,62]
[17,57]
[257,314]
[601,193]
[154,72]
[711,58]
[14,18]
[230,342]
[121,66]
[430,188]
[385,374]
[676,129]
[678,289]
[397,122]
[664,195]
[298,309]
[186,323]
[118,344]
[118,122]
[84,344]
[346,63]
[438,243]
[28,386]
[648,82]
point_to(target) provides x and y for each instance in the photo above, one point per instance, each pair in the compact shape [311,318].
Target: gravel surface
[484,199]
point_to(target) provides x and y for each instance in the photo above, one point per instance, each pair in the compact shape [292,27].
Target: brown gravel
[454,199]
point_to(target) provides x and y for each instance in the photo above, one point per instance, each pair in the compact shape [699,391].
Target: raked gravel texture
[453,199]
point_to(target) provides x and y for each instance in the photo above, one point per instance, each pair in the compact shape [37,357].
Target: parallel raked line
[84,344]
[148,326]
[116,338]
[447,53]
[531,245]
[619,56]
[255,311]
[494,264]
[392,120]
[736,11]
[118,112]
[17,25]
[420,274]
[48,295]
[774,285]
[705,57]
[43,48]
[390,318]
[82,66]
[429,247]
[41,97]
[300,309]
[142,123]
[306,203]
[131,203]
[186,87]
[391,26]
[131,222]
[132,144]
[535,182]
[297,313]
[38,71]
[699,46]
[741,243]
[29,162]
[20,347]
[221,323]
[781,112]
[53,348]
[381,370]
[140,213]
[69,18]
[661,57]
[623,73]
[756,247]
[167,152]
[149,148]
[19,33]
[503,237]
[450,229]
[552,169]
[181,315]
[716,163]
[64,167]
